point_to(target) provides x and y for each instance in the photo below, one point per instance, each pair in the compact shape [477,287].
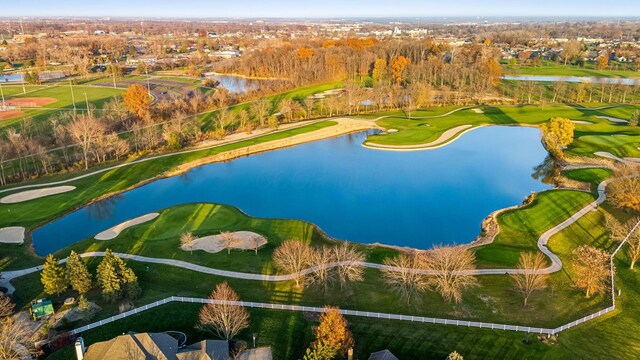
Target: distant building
[226,54]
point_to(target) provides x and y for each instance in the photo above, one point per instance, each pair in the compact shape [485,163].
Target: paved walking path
[556,263]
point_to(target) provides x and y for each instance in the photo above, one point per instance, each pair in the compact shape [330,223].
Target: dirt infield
[8,114]
[30,101]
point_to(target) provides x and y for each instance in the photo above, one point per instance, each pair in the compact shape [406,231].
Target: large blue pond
[398,198]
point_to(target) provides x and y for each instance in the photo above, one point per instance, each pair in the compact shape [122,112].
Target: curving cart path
[556,263]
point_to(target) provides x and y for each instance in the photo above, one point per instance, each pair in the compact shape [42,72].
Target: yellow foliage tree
[602,62]
[397,67]
[379,72]
[332,333]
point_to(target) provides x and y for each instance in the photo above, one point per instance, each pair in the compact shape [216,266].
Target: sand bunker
[612,119]
[581,122]
[113,232]
[607,155]
[30,101]
[391,131]
[478,111]
[244,240]
[35,194]
[12,235]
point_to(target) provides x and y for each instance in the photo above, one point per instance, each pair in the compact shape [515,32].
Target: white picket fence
[374,315]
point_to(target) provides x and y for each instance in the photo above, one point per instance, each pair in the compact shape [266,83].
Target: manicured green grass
[521,228]
[96,96]
[602,135]
[559,69]
[592,176]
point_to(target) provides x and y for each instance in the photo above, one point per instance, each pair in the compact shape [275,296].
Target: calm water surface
[573,79]
[400,198]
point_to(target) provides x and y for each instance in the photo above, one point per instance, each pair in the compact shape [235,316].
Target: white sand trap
[116,230]
[12,235]
[478,111]
[612,119]
[581,122]
[35,194]
[607,155]
[391,131]
[214,243]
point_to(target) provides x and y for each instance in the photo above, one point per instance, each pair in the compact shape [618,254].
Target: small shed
[41,308]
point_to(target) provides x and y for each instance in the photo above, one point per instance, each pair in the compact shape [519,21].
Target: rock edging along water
[35,194]
[113,232]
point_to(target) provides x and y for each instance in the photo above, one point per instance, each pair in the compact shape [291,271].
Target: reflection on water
[353,193]
[548,172]
[103,209]
[43,76]
[572,79]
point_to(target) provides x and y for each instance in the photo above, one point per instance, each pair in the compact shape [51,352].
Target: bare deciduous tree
[85,130]
[224,319]
[452,267]
[6,306]
[16,338]
[255,242]
[349,261]
[404,277]
[530,280]
[633,249]
[228,239]
[186,241]
[591,268]
[293,256]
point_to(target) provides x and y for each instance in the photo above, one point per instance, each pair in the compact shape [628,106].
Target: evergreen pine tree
[53,276]
[131,289]
[108,279]
[77,273]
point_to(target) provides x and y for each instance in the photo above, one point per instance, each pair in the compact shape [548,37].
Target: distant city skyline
[317,9]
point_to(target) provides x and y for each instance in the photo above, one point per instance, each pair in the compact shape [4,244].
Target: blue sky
[316,8]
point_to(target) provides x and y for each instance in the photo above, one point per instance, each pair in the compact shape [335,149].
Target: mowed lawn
[559,69]
[288,333]
[429,124]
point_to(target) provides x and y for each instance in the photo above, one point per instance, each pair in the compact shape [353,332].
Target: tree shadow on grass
[497,116]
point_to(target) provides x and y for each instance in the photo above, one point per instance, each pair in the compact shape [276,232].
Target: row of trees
[115,279]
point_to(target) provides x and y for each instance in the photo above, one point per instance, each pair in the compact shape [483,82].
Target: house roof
[261,353]
[205,350]
[382,355]
[144,346]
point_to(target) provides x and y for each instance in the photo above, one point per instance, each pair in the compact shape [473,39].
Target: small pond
[414,199]
[45,76]
[572,79]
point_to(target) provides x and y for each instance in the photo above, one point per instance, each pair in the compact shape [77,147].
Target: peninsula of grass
[428,125]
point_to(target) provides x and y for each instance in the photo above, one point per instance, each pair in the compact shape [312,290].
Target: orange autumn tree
[332,334]
[137,100]
[397,67]
[305,53]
